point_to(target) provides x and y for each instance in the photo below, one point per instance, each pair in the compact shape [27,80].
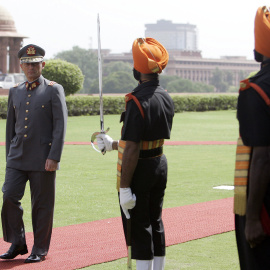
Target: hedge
[89,105]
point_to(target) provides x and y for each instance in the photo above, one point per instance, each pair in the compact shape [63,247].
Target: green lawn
[85,189]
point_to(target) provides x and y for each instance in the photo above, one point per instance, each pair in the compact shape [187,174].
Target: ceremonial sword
[129,261]
[93,137]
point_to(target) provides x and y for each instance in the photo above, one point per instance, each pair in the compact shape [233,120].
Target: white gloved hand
[104,142]
[127,200]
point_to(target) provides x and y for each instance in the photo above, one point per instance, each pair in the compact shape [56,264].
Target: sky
[225,28]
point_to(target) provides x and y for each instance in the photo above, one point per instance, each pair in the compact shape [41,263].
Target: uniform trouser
[257,258]
[42,187]
[147,230]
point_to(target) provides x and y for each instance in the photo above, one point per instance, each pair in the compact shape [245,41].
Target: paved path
[81,245]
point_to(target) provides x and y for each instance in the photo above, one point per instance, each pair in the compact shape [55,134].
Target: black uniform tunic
[254,123]
[150,176]
[253,113]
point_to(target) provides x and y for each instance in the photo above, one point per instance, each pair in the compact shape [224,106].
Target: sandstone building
[186,60]
[10,43]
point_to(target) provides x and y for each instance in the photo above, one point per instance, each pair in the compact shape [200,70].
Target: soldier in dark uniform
[142,166]
[252,225]
[35,131]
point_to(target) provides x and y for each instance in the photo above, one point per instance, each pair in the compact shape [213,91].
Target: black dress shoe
[14,251]
[33,258]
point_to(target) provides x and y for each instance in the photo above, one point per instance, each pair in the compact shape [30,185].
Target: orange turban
[149,55]
[262,31]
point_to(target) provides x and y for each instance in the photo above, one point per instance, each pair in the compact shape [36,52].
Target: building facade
[185,59]
[191,66]
[173,36]
[10,43]
[198,69]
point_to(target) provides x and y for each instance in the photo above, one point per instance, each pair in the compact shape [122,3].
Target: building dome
[6,21]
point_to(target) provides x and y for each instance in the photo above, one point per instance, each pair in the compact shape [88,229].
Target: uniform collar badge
[32,86]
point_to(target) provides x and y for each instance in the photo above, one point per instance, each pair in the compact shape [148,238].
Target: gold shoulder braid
[121,148]
[242,161]
[243,157]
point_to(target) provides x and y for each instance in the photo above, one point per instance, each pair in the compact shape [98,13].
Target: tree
[216,79]
[203,88]
[86,60]
[115,82]
[222,80]
[119,82]
[228,77]
[180,86]
[117,66]
[64,73]
[186,86]
[165,79]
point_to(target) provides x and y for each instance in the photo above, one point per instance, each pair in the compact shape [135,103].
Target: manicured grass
[85,189]
[187,126]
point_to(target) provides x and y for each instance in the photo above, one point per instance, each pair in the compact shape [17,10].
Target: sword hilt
[93,137]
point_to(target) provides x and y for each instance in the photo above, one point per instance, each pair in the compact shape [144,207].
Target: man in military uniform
[35,131]
[252,222]
[142,166]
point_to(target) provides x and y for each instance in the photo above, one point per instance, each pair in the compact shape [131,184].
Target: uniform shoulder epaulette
[16,85]
[129,97]
[51,83]
[245,84]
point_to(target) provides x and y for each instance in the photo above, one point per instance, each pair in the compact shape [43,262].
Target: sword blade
[129,261]
[100,77]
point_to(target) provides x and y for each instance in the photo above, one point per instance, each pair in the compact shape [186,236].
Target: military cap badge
[31,53]
[31,50]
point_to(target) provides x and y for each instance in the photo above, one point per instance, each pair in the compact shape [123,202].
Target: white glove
[127,200]
[104,142]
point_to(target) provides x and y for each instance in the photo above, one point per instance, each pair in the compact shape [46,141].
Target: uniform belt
[151,152]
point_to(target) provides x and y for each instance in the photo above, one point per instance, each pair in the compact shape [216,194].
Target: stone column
[14,47]
[3,54]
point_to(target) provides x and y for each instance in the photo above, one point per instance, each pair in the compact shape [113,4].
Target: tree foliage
[119,82]
[64,73]
[165,79]
[218,81]
[115,82]
[180,85]
[224,80]
[117,66]
[86,60]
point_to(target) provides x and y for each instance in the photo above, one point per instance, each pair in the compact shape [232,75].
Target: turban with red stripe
[149,55]
[262,31]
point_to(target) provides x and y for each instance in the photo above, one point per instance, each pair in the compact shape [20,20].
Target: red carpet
[78,246]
